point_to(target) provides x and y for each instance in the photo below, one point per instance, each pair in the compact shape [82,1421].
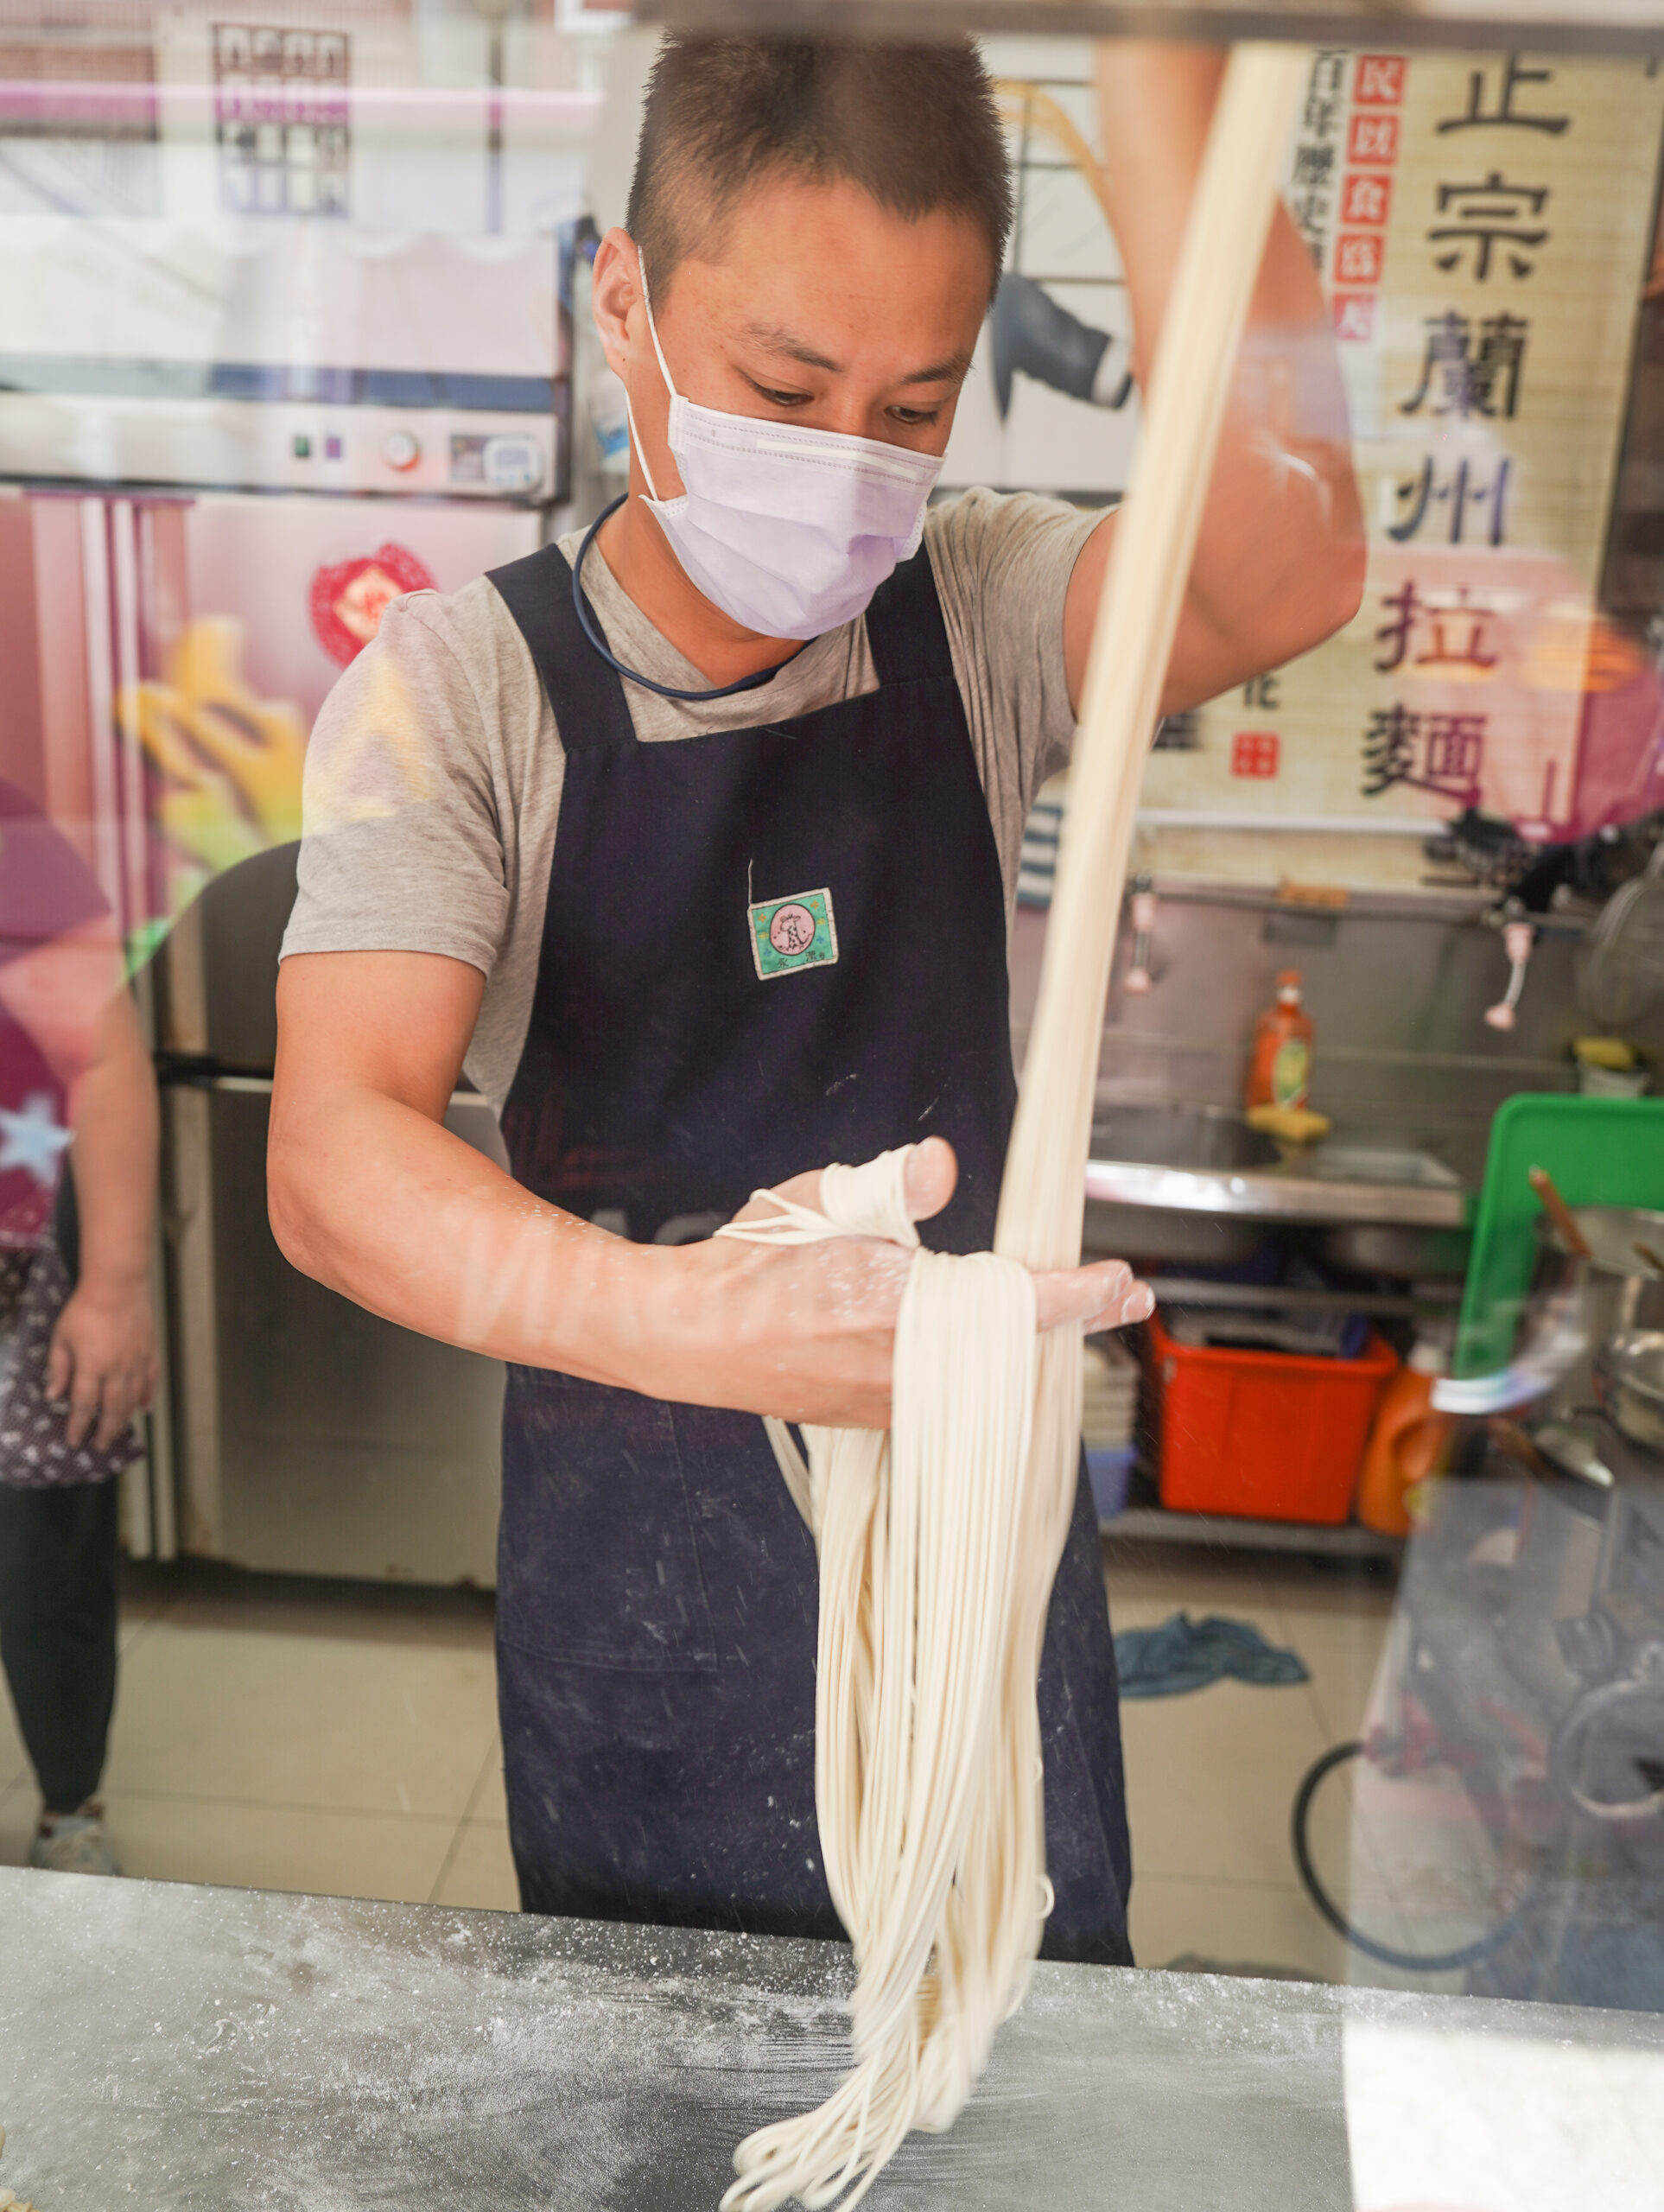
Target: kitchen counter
[1175,1184]
[1336,1182]
[209,2050]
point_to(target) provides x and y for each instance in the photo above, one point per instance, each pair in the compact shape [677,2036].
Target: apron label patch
[787,934]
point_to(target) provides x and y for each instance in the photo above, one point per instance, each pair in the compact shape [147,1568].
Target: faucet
[1519,936]
[1144,913]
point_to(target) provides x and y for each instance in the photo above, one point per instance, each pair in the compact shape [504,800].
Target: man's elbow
[1324,592]
[1347,563]
[287,1205]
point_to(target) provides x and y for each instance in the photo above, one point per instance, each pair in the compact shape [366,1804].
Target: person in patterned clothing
[78,1356]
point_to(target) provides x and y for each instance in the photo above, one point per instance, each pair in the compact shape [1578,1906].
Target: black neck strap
[591,629]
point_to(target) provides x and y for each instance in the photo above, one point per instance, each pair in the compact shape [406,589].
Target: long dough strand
[1044,1195]
[921,1750]
[939,1541]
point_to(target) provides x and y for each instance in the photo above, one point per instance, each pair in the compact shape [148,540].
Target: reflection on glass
[1496,1807]
[298,323]
[78,1339]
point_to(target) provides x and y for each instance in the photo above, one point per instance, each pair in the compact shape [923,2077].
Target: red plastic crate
[1267,1436]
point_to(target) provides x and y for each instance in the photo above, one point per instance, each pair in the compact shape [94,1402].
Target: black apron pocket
[596,1563]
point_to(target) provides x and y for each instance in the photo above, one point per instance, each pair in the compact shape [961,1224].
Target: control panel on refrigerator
[288,358]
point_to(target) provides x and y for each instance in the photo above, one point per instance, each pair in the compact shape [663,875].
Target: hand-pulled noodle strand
[939,1541]
[926,1736]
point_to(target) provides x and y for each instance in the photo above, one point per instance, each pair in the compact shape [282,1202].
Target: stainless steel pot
[1385,1248]
[1612,1290]
[1629,1377]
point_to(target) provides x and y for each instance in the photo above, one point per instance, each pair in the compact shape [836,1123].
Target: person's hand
[102,1361]
[806,1332]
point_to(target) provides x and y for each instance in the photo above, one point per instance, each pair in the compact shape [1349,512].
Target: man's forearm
[372,1195]
[390,1208]
[1156,103]
[1279,561]
[385,1206]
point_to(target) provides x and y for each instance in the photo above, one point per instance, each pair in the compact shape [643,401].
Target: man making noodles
[696,835]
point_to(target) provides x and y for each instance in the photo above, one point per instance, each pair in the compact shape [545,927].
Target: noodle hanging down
[936,1561]
[939,1539]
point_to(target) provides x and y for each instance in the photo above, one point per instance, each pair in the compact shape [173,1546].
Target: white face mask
[788,531]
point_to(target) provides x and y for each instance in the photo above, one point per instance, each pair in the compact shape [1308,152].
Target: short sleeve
[46,888]
[403,850]
[1002,564]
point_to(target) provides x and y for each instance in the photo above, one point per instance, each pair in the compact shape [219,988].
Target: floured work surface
[184,2049]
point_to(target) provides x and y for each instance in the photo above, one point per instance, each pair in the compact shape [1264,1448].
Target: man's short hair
[915,126]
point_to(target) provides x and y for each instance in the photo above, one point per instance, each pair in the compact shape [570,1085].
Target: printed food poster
[1050,405]
[1482,224]
[270,599]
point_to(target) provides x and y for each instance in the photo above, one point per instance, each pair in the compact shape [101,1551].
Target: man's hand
[102,1361]
[1279,561]
[806,1332]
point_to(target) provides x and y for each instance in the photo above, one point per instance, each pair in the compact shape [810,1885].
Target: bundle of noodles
[938,1541]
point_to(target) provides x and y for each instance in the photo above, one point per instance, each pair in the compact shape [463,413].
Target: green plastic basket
[1601,1152]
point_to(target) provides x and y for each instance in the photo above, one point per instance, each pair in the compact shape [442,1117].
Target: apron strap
[592,708]
[904,626]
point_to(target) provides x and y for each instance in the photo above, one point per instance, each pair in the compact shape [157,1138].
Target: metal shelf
[1573,26]
[1153,1524]
[1275,1195]
[1186,1290]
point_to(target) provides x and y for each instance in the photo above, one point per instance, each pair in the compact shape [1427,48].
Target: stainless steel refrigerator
[226,442]
[308,1436]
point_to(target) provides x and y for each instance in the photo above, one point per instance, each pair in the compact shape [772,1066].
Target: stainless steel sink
[1195,1185]
[1180,1136]
[1131,1145]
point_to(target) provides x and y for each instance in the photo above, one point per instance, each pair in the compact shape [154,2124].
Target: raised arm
[1281,558]
[370,1193]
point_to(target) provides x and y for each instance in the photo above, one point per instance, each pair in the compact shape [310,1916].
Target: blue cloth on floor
[1186,1655]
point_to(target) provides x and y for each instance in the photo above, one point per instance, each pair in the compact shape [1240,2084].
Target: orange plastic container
[1265,1436]
[1407,1442]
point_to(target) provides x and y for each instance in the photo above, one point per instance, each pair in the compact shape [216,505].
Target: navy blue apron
[656,1590]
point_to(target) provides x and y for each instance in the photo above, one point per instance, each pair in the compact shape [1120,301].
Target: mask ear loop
[653,327]
[663,369]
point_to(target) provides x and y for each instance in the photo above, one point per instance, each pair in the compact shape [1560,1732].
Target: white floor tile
[1234,1923]
[1210,1777]
[19,1809]
[1311,1585]
[490,1801]
[148,1591]
[278,1847]
[13,1759]
[1341,1652]
[135,1621]
[1156,1580]
[297,1705]
[480,1869]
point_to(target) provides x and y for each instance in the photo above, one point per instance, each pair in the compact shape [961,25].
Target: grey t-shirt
[433,774]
